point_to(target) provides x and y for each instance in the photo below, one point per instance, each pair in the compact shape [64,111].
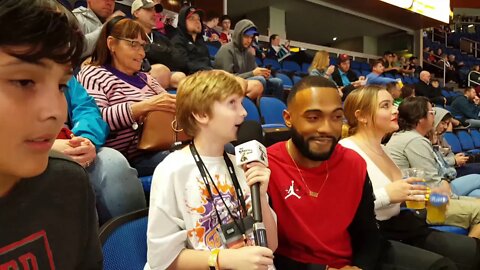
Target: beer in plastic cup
[436,208]
[417,173]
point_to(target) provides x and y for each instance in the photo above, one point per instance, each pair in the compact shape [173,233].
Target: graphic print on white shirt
[204,234]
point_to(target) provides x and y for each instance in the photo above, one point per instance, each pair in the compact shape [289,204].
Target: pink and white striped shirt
[114,97]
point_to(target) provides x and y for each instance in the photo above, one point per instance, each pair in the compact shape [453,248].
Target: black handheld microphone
[250,148]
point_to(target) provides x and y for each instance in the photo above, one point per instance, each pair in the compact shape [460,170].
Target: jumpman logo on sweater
[291,192]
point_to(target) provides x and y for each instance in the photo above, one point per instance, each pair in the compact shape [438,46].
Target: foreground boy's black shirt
[49,221]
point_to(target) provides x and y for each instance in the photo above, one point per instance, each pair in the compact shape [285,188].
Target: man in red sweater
[321,191]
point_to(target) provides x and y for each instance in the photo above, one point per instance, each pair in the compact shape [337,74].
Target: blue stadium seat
[80,3]
[259,62]
[291,66]
[467,142]
[365,72]
[451,229]
[357,72]
[355,64]
[212,50]
[252,110]
[333,61]
[445,93]
[273,63]
[146,183]
[453,141]
[407,80]
[296,79]
[124,241]
[476,137]
[305,67]
[365,66]
[271,110]
[415,80]
[287,82]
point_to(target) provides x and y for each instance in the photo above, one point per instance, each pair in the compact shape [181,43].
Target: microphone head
[248,131]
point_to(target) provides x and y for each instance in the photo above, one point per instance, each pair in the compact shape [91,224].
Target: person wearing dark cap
[190,50]
[159,48]
[344,77]
[234,57]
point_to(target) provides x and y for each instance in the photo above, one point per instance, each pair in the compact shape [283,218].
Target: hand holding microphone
[256,172]
[253,156]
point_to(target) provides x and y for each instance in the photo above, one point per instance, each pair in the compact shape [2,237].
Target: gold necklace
[310,192]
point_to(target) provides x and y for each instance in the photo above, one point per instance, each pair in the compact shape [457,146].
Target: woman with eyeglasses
[123,93]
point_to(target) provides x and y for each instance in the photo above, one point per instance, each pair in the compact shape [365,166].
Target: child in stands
[47,207]
[197,192]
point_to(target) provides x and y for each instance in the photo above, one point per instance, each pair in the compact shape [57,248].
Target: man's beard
[303,147]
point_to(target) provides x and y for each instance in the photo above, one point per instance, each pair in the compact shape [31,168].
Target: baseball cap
[193,10]
[138,4]
[343,58]
[252,31]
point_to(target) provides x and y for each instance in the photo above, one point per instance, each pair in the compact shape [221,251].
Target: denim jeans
[271,86]
[468,185]
[117,187]
[147,162]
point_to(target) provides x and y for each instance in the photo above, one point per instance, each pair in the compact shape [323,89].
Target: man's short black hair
[211,15]
[225,17]
[413,58]
[308,82]
[272,37]
[378,61]
[391,86]
[387,53]
[411,111]
[45,28]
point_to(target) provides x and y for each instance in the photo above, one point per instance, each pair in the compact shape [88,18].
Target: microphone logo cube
[251,151]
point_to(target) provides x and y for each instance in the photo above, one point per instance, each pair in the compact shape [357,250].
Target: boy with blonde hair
[198,196]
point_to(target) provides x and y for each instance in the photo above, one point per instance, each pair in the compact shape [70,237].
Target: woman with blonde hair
[371,115]
[321,65]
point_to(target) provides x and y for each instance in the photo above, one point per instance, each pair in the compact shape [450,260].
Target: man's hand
[265,72]
[256,172]
[461,159]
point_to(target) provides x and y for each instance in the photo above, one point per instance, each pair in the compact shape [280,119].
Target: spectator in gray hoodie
[409,148]
[235,57]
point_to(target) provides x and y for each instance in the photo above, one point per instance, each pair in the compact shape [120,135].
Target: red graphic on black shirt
[30,253]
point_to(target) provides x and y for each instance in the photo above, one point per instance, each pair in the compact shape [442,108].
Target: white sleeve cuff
[381,198]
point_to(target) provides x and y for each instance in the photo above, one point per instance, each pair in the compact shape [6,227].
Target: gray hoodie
[439,115]
[409,149]
[91,27]
[233,57]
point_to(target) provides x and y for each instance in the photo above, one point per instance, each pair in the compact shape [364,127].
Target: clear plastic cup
[436,208]
[417,173]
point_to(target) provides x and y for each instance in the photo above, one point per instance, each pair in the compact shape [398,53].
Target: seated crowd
[327,202]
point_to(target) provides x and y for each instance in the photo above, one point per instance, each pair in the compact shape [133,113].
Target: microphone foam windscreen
[250,130]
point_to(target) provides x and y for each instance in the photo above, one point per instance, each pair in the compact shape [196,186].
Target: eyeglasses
[136,45]
[432,112]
